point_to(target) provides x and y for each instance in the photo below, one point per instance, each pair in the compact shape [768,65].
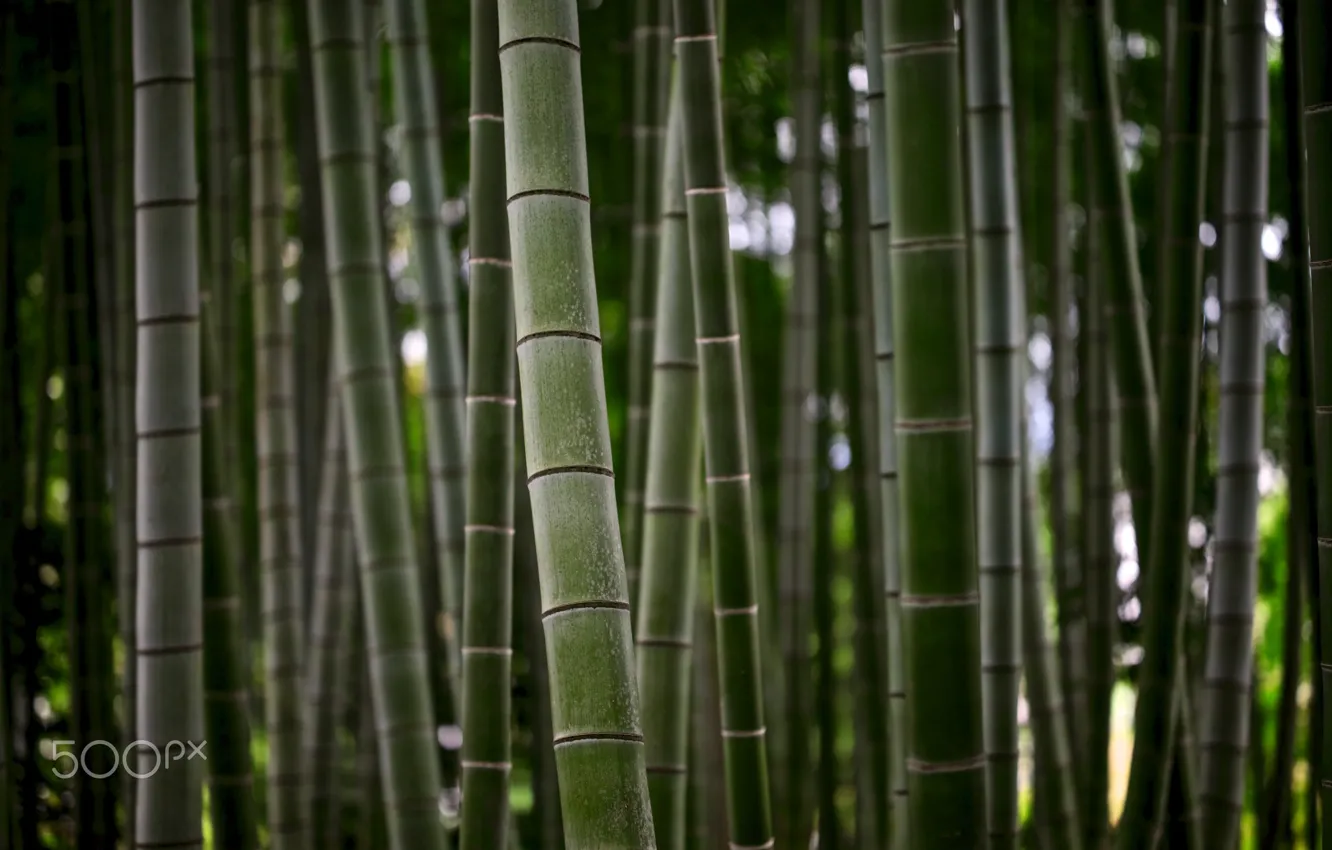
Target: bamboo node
[752,611]
[959,766]
[490,529]
[745,733]
[948,600]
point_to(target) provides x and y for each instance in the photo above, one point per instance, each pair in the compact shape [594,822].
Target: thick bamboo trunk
[169,591]
[598,737]
[941,628]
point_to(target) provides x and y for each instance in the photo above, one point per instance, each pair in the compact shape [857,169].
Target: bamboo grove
[665,425]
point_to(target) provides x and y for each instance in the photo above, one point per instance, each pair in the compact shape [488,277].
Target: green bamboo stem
[1135,382]
[123,366]
[389,577]
[1224,728]
[1071,591]
[598,738]
[651,42]
[545,782]
[98,134]
[735,595]
[1098,494]
[312,319]
[945,751]
[1099,412]
[275,429]
[886,389]
[1315,28]
[1159,217]
[488,600]
[1159,680]
[330,610]
[11,485]
[226,692]
[829,564]
[414,101]
[1303,533]
[1049,725]
[371,823]
[71,262]
[220,21]
[796,483]
[169,590]
[1000,345]
[226,673]
[708,816]
[1273,794]
[670,552]
[871,689]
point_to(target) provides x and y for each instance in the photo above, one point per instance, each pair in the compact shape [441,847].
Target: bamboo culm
[1224,727]
[940,599]
[489,581]
[1160,675]
[726,457]
[597,728]
[1000,345]
[395,640]
[169,621]
[880,251]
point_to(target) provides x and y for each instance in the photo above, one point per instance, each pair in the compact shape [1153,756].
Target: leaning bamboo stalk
[651,61]
[1166,575]
[670,552]
[1135,381]
[414,95]
[381,509]
[1054,764]
[331,607]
